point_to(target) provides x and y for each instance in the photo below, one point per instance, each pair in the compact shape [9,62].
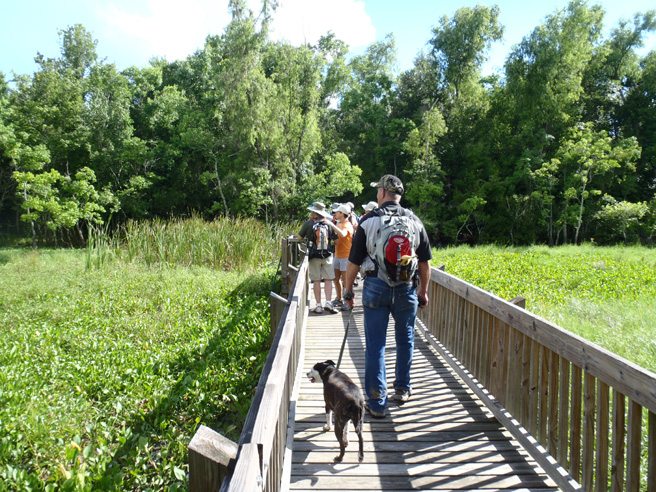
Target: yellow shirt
[343,244]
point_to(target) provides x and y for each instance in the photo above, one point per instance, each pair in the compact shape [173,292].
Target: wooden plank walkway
[444,438]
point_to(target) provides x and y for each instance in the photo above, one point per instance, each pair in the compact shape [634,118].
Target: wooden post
[277,305]
[284,267]
[210,454]
[518,301]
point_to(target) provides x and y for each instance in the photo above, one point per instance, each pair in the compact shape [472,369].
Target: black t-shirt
[359,246]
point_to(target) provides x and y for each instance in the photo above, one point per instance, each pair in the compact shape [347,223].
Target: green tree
[425,185]
[458,49]
[337,178]
[369,133]
[621,220]
[584,158]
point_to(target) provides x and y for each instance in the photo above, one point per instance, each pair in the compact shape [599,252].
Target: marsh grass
[241,244]
[113,355]
[604,294]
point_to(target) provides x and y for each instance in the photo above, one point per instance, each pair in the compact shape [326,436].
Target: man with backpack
[391,245]
[320,233]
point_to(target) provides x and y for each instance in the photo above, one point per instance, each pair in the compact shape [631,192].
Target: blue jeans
[379,301]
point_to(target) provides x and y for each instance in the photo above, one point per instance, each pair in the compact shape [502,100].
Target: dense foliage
[107,372]
[603,294]
[561,148]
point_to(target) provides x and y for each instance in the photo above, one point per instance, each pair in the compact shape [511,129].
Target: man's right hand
[349,298]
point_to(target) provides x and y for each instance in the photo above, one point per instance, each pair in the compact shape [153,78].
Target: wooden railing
[256,462]
[262,443]
[593,411]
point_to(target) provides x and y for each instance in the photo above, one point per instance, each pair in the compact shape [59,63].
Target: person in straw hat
[320,233]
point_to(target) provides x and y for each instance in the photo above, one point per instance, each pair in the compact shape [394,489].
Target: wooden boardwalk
[444,438]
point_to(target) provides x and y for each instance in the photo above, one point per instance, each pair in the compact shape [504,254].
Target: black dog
[344,398]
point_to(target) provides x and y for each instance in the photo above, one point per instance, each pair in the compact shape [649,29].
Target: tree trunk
[220,188]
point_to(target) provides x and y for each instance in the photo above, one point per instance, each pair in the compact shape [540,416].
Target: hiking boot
[338,303]
[376,414]
[318,309]
[401,395]
[328,306]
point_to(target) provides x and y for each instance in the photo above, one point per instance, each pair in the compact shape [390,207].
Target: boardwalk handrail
[259,461]
[556,384]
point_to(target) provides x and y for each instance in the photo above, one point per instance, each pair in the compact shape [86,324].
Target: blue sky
[130,32]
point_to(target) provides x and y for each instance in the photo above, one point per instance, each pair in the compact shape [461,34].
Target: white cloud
[172,29]
[304,21]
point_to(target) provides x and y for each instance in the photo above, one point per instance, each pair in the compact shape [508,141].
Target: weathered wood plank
[563,423]
[210,453]
[632,380]
[435,469]
[421,483]
[651,455]
[619,435]
[634,435]
[589,414]
[382,457]
[575,426]
[601,481]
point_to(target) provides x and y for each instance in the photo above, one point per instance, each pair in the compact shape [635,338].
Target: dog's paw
[326,427]
[337,459]
[360,458]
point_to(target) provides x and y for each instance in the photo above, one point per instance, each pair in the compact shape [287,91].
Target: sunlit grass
[604,294]
[225,244]
[107,371]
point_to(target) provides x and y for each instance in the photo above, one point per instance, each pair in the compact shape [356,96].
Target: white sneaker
[328,306]
[318,309]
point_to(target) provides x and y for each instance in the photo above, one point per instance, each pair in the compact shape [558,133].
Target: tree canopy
[560,148]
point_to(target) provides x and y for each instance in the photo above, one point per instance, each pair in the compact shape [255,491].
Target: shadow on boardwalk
[443,438]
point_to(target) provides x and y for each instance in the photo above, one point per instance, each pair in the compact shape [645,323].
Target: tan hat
[370,206]
[320,209]
[390,183]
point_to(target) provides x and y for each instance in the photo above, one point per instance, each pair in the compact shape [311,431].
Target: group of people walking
[388,246]
[329,235]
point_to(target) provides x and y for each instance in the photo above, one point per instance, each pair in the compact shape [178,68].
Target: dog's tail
[359,417]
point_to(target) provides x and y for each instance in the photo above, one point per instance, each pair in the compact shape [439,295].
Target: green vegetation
[111,359]
[605,295]
[222,244]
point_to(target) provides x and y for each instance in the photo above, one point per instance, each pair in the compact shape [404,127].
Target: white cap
[345,209]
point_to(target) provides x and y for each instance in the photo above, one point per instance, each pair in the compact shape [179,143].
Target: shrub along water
[109,367]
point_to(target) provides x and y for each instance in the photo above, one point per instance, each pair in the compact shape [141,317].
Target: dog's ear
[330,363]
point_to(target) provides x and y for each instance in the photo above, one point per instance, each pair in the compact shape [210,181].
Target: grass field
[105,373]
[604,294]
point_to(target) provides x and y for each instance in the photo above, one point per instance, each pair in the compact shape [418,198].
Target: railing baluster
[651,454]
[563,423]
[589,411]
[619,435]
[601,479]
[633,447]
[526,380]
[575,436]
[543,394]
[553,403]
[534,395]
